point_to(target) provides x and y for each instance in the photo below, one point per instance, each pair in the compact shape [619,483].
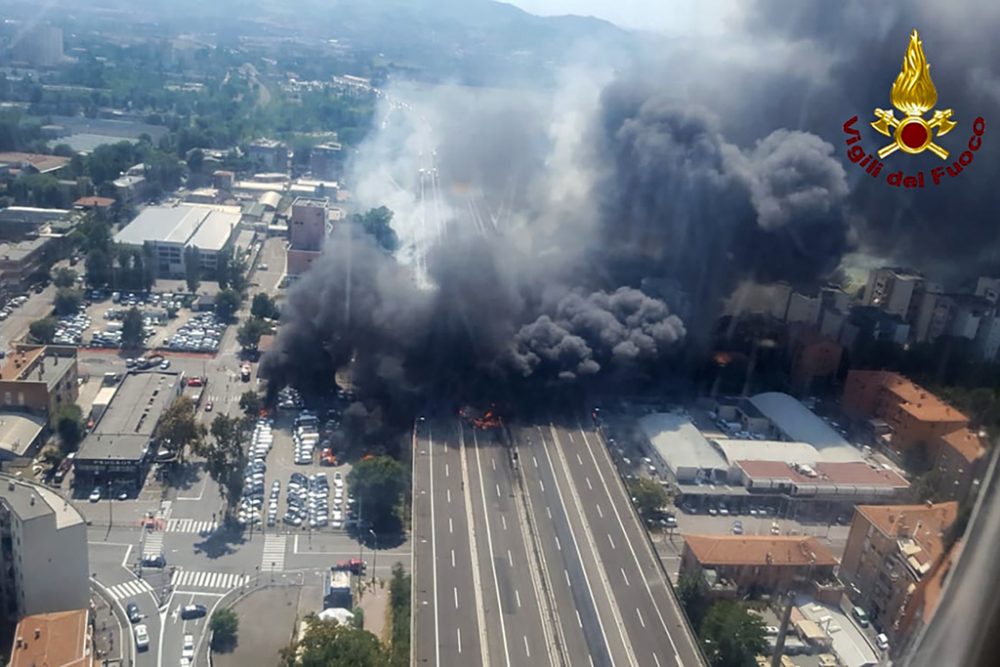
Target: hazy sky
[705,17]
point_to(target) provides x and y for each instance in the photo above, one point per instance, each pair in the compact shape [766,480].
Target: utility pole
[779,644]
[374,554]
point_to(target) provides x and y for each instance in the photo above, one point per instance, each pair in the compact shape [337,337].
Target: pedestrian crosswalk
[191,526]
[273,559]
[129,589]
[196,579]
[152,543]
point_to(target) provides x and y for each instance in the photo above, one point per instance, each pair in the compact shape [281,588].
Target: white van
[882,641]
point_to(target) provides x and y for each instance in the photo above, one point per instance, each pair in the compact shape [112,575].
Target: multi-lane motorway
[527,552]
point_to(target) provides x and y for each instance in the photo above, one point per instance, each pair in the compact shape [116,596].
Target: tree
[69,426]
[225,457]
[250,402]
[329,644]
[649,495]
[225,625]
[132,329]
[65,278]
[223,268]
[377,223]
[227,302]
[249,334]
[98,268]
[732,636]
[195,160]
[43,330]
[399,604]
[192,268]
[179,428]
[67,301]
[379,483]
[263,306]
[693,595]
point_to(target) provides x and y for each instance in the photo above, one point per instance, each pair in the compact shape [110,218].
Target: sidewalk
[108,642]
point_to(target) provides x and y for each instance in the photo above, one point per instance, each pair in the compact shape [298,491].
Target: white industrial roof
[768,450]
[207,228]
[679,442]
[800,424]
[270,199]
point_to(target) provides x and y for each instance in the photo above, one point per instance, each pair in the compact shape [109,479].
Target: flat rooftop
[30,501]
[774,550]
[800,424]
[846,474]
[312,202]
[62,640]
[679,442]
[18,430]
[206,227]
[126,427]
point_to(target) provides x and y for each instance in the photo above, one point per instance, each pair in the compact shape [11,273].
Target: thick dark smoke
[591,234]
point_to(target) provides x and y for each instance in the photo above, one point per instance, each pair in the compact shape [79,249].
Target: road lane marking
[494,462]
[549,512]
[590,487]
[503,520]
[535,461]
[579,621]
[541,484]
[489,546]
[449,495]
[624,576]
[453,558]
[599,512]
[635,557]
[611,541]
[451,526]
[517,596]
[558,546]
[498,489]
[445,469]
[458,633]
[456,596]
[639,614]
[579,460]
[567,578]
[526,649]
[510,558]
[437,635]
[656,660]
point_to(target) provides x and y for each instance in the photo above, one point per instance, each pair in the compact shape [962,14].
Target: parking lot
[287,489]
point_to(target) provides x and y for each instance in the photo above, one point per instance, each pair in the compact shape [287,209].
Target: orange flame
[487,420]
[914,93]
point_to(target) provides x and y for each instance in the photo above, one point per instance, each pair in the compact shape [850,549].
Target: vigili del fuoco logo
[913,94]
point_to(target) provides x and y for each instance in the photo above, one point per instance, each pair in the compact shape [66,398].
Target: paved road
[556,563]
[652,618]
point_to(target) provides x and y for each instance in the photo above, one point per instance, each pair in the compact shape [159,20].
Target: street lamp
[374,554]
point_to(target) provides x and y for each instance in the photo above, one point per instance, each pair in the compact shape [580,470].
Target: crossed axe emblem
[890,126]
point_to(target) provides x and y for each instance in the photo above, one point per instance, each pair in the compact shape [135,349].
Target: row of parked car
[11,306]
[305,437]
[70,329]
[309,501]
[252,503]
[201,333]
[289,399]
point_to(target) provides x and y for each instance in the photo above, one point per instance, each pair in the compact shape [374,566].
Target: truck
[64,468]
[338,590]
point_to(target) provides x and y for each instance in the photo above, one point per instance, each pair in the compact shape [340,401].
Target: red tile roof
[714,550]
[62,640]
[966,442]
[924,524]
[94,202]
[913,398]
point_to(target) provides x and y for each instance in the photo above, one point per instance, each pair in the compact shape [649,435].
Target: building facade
[741,565]
[39,379]
[269,154]
[306,233]
[43,551]
[913,414]
[896,291]
[325,161]
[960,464]
[890,548]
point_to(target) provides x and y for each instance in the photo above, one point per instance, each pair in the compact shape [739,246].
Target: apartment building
[960,464]
[62,638]
[735,565]
[43,551]
[913,414]
[39,379]
[896,291]
[890,549]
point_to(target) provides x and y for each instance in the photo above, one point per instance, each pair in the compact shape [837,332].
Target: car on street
[123,495]
[737,527]
[193,611]
[165,364]
[775,528]
[209,406]
[187,649]
[141,637]
[95,495]
[134,615]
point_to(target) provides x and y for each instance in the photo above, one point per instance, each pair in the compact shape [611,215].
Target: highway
[556,568]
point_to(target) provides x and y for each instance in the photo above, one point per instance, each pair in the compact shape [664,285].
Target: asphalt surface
[556,568]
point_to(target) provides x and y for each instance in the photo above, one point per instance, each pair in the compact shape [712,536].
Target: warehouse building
[168,231]
[119,450]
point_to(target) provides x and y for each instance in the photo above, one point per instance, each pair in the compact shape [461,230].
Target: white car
[338,480]
[188,649]
[95,495]
[141,637]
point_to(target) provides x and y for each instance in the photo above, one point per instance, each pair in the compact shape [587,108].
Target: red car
[195,382]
